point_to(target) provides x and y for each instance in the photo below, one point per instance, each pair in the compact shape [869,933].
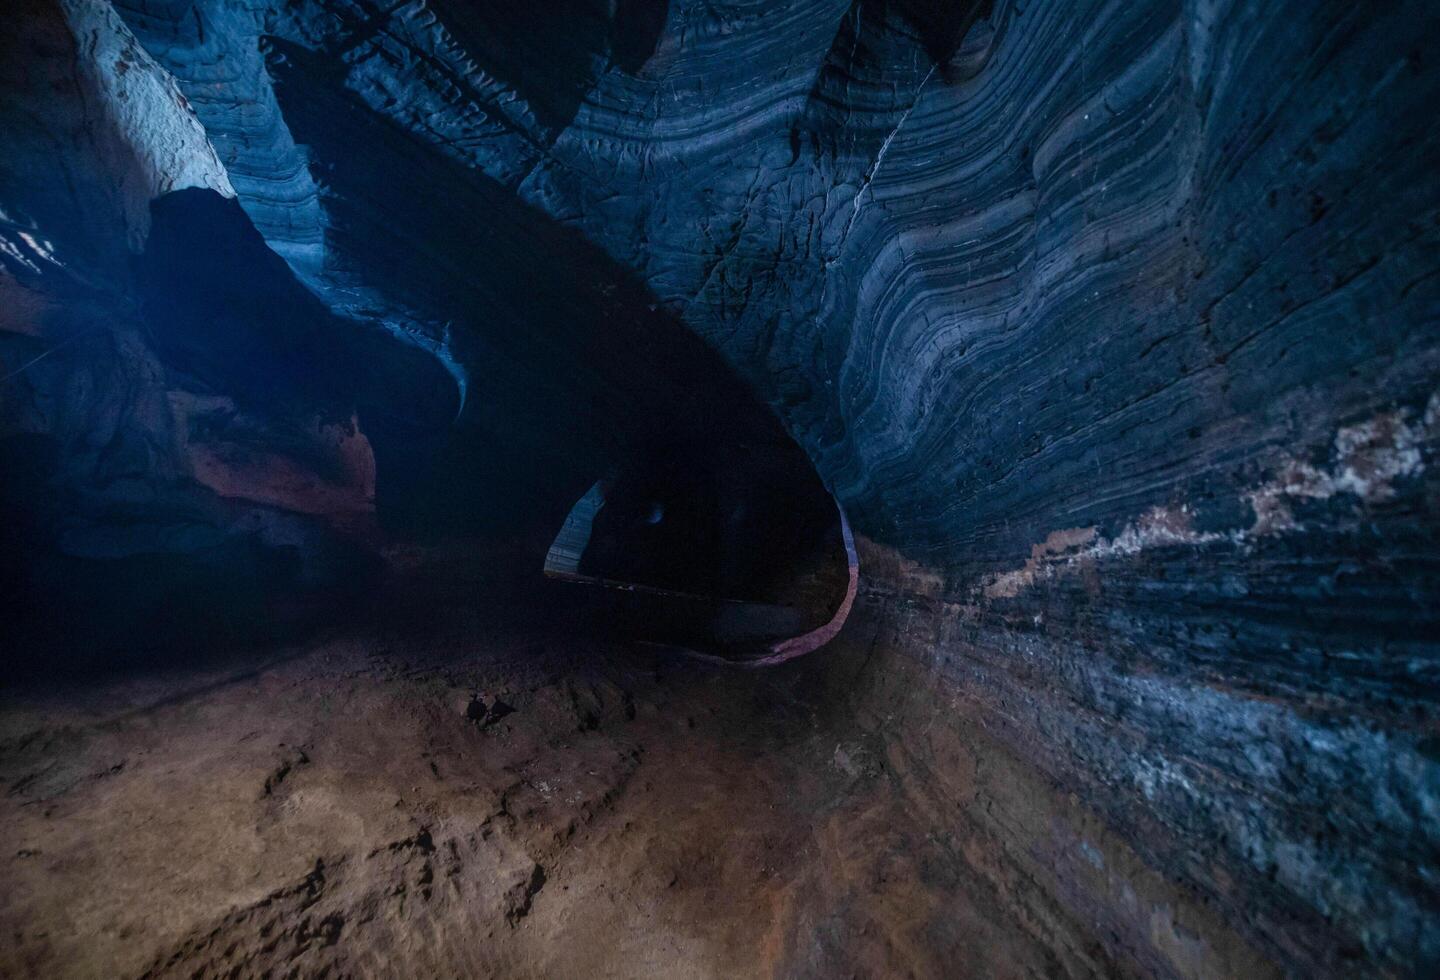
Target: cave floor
[337,811]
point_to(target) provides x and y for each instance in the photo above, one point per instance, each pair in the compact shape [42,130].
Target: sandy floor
[339,810]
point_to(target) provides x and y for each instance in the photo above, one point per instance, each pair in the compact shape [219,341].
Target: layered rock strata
[1111,325]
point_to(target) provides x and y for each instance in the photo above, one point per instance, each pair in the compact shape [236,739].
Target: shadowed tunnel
[653,488]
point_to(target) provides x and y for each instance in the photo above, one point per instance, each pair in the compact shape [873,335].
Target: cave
[762,488]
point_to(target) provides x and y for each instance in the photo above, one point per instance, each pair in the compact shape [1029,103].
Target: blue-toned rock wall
[1114,326]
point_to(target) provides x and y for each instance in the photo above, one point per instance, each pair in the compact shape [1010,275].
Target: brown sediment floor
[337,810]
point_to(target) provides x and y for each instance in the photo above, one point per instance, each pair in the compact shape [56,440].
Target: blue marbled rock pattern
[1112,325]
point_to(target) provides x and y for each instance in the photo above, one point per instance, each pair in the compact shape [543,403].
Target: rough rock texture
[1111,325]
[183,408]
[344,816]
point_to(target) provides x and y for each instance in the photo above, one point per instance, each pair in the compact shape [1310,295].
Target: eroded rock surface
[632,816]
[1112,326]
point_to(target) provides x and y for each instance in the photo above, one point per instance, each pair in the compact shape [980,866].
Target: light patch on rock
[1010,584]
[1367,459]
[226,452]
[144,111]
[26,247]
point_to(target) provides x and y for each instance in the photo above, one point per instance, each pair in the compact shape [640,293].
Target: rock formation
[1111,328]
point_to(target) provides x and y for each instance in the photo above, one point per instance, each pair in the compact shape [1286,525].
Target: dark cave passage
[649,488]
[734,555]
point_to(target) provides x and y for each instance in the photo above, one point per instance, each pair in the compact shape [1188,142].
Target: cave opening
[732,555]
[649,488]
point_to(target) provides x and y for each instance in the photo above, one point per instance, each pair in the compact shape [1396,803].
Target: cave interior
[720,488]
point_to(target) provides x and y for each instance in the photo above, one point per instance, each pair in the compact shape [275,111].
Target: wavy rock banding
[1110,325]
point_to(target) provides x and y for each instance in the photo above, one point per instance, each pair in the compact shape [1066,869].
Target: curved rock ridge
[365,92]
[1112,326]
[1062,321]
[241,401]
[223,76]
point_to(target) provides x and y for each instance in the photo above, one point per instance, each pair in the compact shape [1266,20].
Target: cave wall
[131,487]
[223,399]
[1115,332]
[1112,326]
